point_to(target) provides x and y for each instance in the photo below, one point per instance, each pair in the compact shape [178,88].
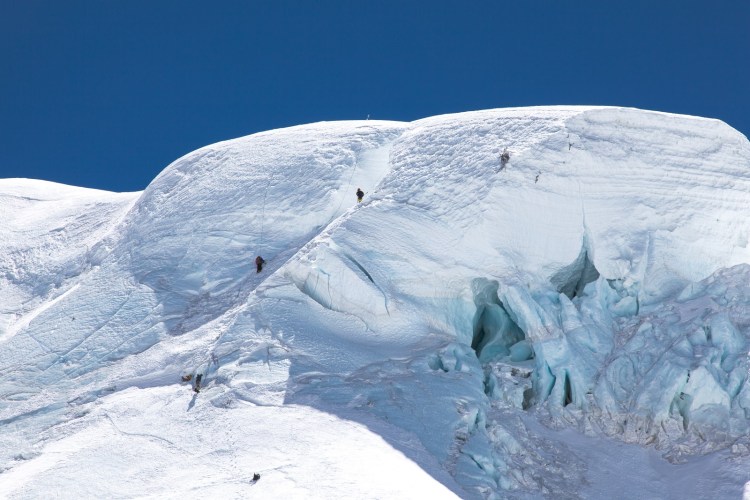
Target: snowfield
[567,320]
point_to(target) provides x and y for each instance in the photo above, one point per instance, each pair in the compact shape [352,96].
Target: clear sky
[106,93]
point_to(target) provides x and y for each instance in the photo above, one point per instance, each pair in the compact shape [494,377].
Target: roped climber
[259,263]
[360,195]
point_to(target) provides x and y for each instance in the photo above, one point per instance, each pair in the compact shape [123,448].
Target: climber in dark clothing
[259,263]
[360,195]
[198,379]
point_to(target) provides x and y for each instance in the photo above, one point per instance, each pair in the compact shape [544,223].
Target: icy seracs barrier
[614,338]
[675,374]
[595,278]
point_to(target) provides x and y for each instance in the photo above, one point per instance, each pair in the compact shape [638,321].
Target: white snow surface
[573,322]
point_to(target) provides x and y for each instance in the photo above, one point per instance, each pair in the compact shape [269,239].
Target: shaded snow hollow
[432,341]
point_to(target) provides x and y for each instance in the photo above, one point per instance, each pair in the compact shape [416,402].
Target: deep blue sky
[105,94]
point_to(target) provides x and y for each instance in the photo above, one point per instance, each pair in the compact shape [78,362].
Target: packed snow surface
[536,302]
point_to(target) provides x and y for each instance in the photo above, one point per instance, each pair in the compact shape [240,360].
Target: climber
[504,158]
[259,263]
[256,476]
[360,195]
[198,378]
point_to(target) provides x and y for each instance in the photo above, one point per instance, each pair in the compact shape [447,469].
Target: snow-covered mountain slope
[593,277]
[48,230]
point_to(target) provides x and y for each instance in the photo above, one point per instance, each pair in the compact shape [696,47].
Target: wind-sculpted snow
[579,267]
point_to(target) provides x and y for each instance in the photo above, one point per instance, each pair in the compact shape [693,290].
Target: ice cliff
[594,278]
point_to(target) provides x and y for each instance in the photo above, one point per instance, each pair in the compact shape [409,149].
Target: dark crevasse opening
[502,348]
[496,335]
[572,279]
[567,391]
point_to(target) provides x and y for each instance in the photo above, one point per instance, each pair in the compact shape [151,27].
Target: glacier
[565,322]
